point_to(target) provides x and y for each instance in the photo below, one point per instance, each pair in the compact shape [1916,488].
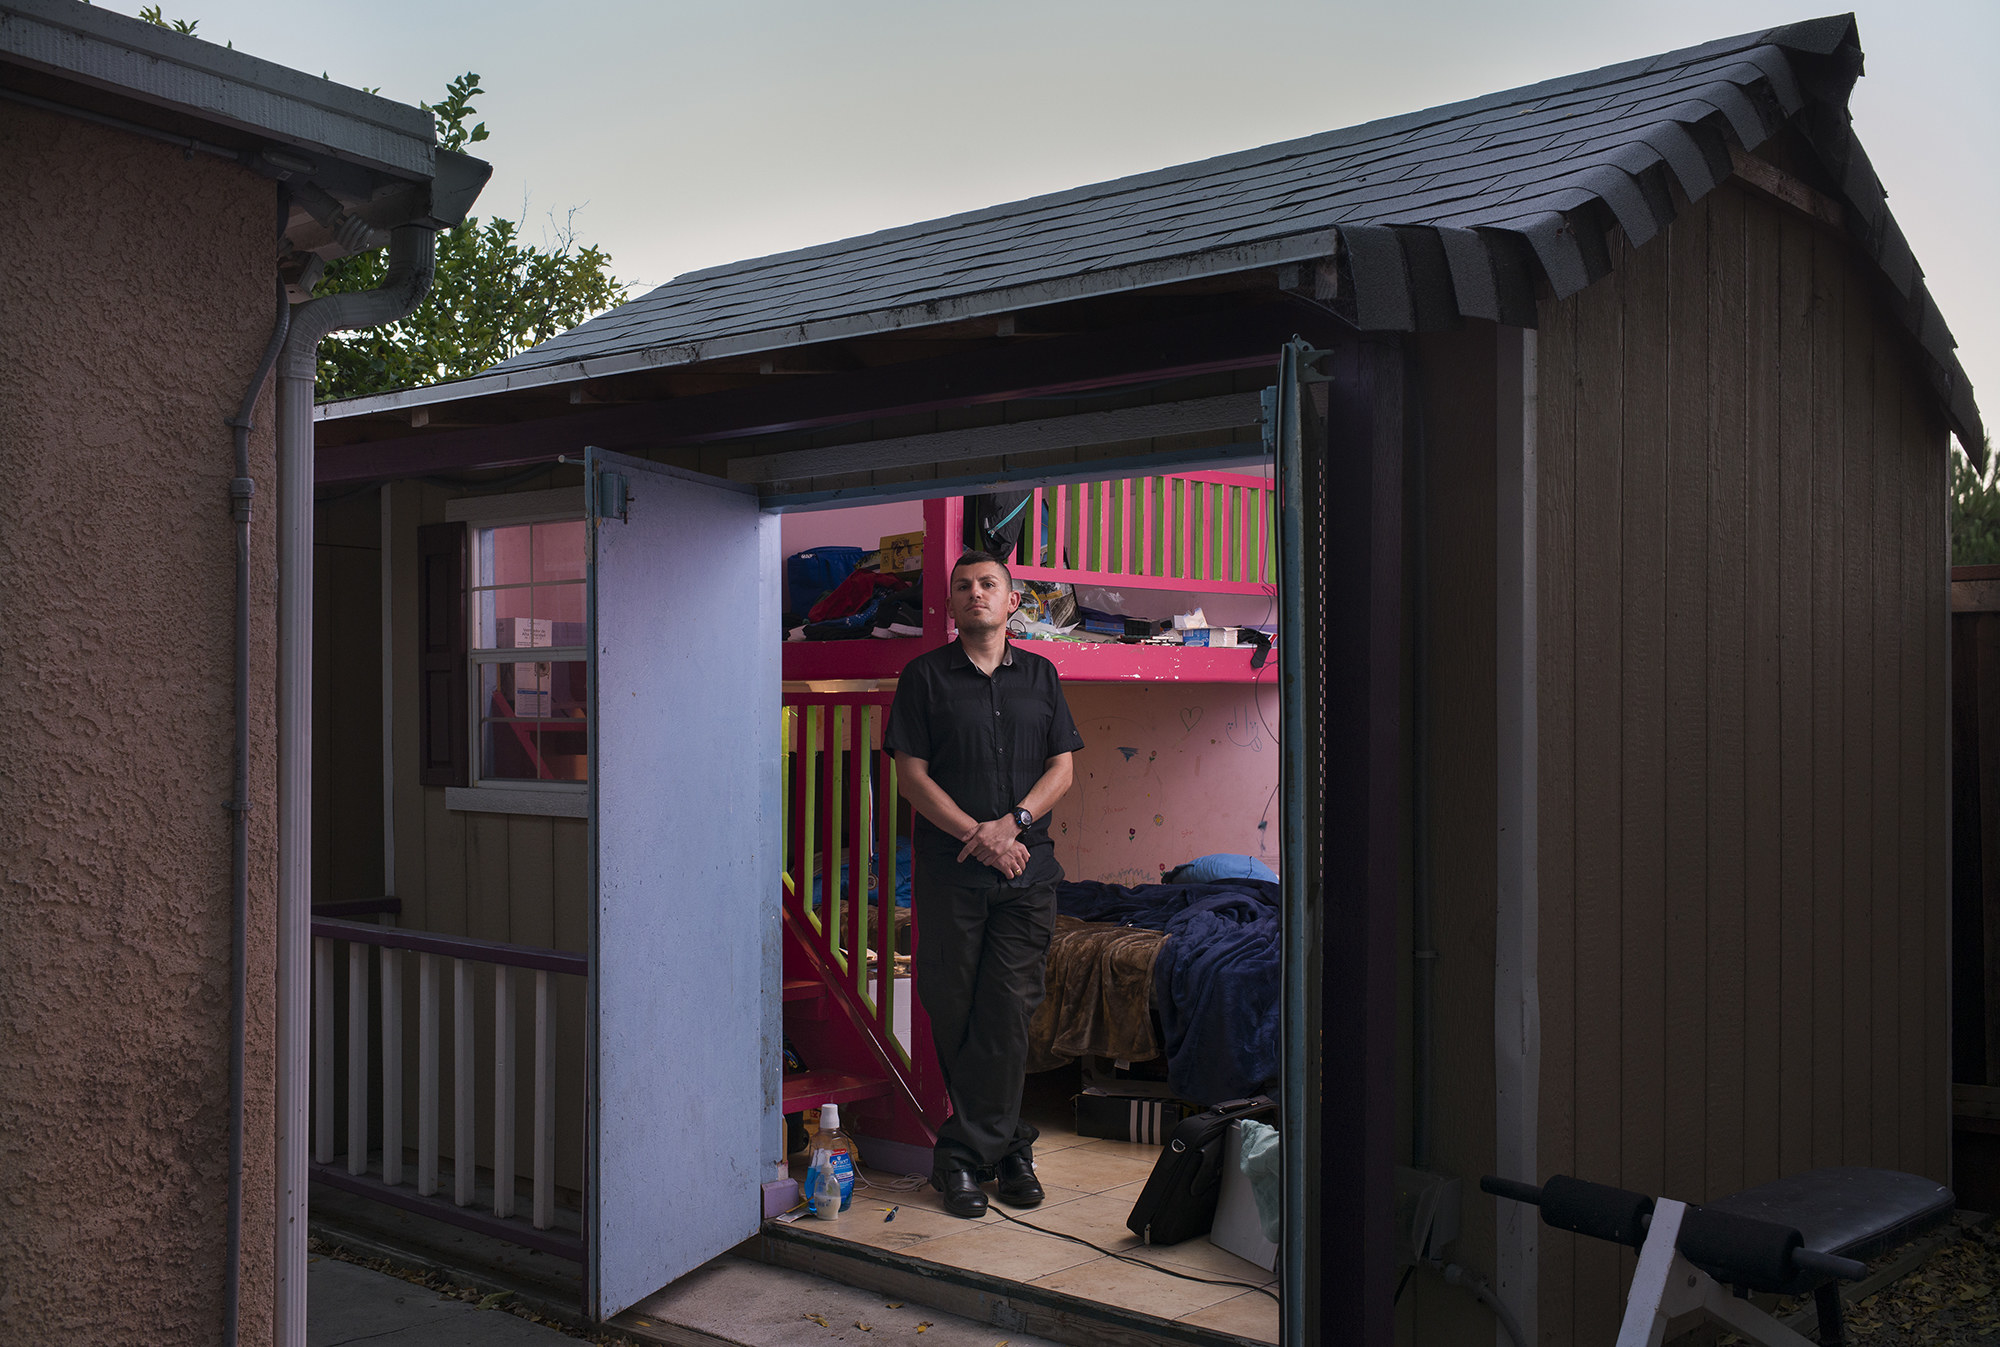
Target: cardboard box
[902,552]
[1116,1117]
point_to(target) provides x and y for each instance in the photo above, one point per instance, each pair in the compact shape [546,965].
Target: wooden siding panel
[1763,820]
[1686,504]
[1457,382]
[1857,542]
[1913,794]
[1728,532]
[1767,540]
[1558,505]
[1642,728]
[531,915]
[570,844]
[1886,889]
[1598,772]
[1798,898]
[1929,439]
[1829,682]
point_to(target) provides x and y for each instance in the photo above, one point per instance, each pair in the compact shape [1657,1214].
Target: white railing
[436,956]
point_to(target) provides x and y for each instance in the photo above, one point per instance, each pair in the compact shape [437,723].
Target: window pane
[506,746]
[564,743]
[531,725]
[503,556]
[559,550]
[560,608]
[506,620]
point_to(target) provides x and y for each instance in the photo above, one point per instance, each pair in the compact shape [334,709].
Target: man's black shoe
[1018,1185]
[961,1192]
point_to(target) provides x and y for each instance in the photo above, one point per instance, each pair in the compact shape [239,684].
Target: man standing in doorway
[983,738]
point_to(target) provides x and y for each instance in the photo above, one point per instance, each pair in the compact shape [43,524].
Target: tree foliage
[1975,510]
[494,294]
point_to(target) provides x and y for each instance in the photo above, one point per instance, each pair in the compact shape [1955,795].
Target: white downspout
[411,258]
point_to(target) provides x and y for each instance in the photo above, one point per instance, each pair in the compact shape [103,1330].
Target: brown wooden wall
[1450,577]
[1742,729]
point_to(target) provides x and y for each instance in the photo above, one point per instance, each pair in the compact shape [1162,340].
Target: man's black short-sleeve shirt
[987,741]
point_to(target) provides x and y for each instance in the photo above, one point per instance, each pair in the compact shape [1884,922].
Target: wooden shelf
[1077,661]
[1112,662]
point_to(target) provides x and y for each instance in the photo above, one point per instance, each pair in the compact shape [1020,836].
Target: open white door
[685,975]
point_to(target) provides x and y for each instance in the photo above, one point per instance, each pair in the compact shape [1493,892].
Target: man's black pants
[981,965]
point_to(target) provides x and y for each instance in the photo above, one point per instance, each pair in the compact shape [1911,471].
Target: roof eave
[1279,252]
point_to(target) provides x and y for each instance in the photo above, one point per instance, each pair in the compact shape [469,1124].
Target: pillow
[1222,865]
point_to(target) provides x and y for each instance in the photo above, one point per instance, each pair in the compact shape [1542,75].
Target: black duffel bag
[1179,1199]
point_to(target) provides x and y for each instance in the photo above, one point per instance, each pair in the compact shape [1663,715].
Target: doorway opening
[1157,599]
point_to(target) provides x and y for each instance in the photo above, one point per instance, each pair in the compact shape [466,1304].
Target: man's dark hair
[982,559]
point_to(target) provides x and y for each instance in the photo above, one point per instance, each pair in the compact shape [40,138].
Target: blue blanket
[1216,980]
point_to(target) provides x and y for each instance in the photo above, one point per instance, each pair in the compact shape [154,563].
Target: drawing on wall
[1190,717]
[1158,819]
[1128,752]
[1244,729]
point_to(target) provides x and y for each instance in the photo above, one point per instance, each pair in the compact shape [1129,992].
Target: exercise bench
[1805,1233]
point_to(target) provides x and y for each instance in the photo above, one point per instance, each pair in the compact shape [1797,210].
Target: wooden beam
[1767,178]
[1198,344]
[1020,437]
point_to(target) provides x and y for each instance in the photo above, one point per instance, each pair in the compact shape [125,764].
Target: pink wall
[862,527]
[1168,772]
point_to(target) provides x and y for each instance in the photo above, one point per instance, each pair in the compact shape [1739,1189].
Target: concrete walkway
[730,1302]
[735,1301]
[350,1304]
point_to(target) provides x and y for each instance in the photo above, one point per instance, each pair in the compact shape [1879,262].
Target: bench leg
[1832,1332]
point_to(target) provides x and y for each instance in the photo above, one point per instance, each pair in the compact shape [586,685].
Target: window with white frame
[527,657]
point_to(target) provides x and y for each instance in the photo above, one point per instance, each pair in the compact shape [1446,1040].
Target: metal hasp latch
[1303,360]
[612,496]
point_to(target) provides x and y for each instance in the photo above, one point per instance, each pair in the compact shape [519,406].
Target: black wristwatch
[1023,819]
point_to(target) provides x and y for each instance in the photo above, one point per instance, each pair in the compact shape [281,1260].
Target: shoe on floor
[961,1192]
[1018,1185]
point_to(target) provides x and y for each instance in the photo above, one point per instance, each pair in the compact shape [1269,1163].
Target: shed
[1624,412]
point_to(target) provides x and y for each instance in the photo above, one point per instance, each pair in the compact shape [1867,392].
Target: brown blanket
[1100,995]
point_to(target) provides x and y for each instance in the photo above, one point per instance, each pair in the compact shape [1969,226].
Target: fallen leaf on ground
[819,1319]
[493,1301]
[894,1305]
[863,1327]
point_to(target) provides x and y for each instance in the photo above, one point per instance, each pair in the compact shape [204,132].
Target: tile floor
[1091,1185]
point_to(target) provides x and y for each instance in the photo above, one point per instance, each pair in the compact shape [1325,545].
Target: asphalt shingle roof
[1451,211]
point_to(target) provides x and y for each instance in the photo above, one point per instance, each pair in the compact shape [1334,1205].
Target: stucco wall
[135,300]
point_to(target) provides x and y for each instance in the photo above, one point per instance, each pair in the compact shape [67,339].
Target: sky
[678,135]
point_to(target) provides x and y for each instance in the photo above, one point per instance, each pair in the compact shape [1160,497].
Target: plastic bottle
[830,1177]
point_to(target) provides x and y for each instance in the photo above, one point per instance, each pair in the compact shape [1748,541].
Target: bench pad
[1857,1213]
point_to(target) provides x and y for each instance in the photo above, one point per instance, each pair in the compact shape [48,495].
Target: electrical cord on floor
[910,1183]
[1135,1262]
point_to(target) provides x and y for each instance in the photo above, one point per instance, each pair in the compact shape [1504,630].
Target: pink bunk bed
[1185,538]
[1197,534]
